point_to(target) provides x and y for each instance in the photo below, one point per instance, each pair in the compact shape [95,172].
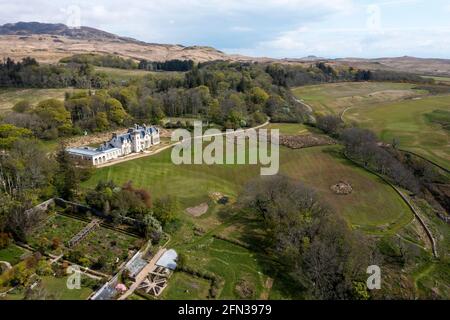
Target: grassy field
[319,167]
[56,227]
[9,97]
[123,74]
[372,206]
[408,121]
[333,98]
[445,80]
[56,289]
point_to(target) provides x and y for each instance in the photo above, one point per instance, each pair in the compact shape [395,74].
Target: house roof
[91,152]
[168,260]
[84,151]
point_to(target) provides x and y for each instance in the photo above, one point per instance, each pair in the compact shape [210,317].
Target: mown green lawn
[407,122]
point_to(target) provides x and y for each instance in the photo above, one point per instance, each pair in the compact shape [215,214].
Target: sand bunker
[199,210]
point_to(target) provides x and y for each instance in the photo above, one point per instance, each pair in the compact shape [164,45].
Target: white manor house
[137,139]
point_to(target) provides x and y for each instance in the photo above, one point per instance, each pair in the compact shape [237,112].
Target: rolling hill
[48,43]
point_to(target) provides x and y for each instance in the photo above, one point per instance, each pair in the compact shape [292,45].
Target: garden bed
[103,249]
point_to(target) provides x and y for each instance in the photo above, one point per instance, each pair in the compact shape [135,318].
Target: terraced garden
[111,246]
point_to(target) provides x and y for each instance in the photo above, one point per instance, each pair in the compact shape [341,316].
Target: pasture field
[373,207]
[9,97]
[122,74]
[409,122]
[334,98]
[318,167]
[183,286]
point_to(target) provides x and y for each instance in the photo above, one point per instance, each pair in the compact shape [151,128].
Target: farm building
[137,139]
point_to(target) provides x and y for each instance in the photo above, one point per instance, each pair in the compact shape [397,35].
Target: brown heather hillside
[48,43]
[50,49]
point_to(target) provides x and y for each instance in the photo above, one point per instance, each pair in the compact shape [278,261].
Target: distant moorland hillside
[49,43]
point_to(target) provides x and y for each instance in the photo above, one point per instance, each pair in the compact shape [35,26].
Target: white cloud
[271,27]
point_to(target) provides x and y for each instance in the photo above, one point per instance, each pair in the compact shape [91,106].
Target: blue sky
[273,28]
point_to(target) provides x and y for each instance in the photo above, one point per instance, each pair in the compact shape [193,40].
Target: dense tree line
[28,73]
[48,120]
[228,94]
[169,65]
[114,61]
[26,176]
[224,94]
[108,61]
[299,75]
